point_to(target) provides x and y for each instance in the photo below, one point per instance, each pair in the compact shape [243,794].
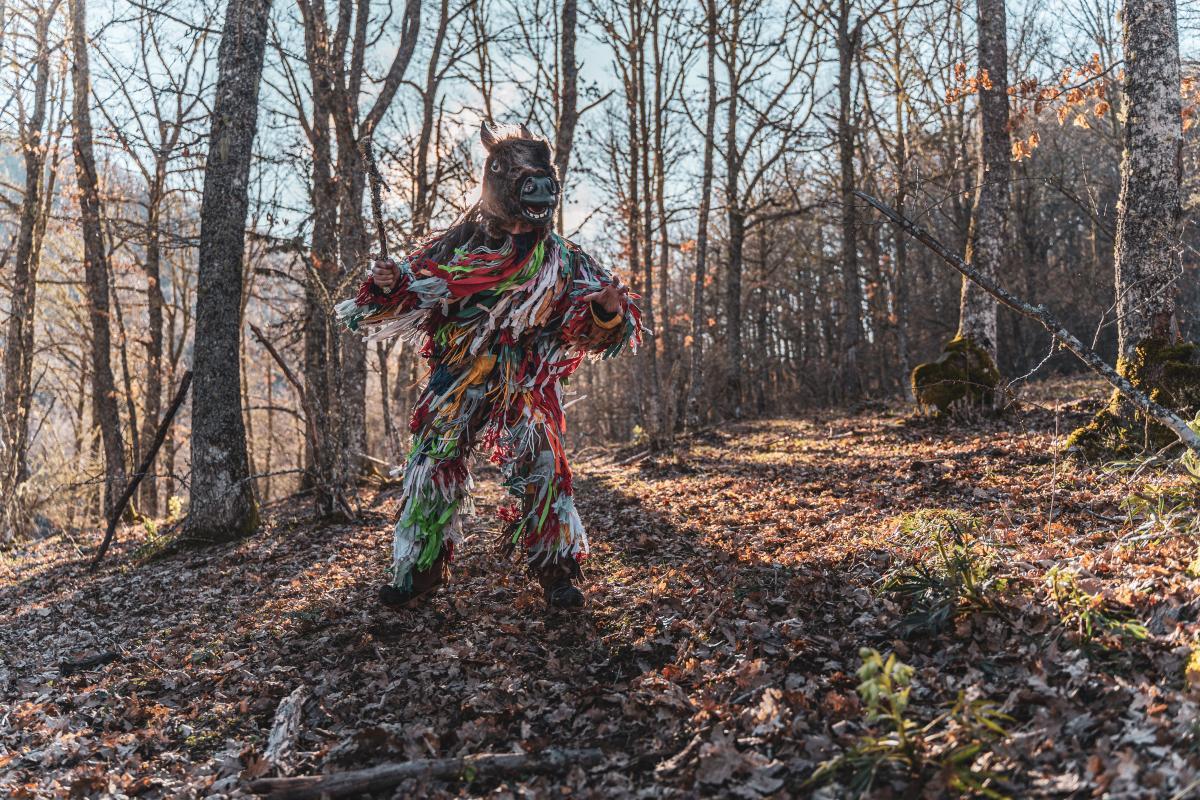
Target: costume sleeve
[588,327]
[372,307]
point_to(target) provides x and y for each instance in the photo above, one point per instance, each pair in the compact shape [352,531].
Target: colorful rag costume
[502,328]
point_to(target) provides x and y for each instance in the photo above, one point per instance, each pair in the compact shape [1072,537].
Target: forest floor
[732,588]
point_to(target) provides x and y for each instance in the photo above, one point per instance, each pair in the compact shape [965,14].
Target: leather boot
[556,579]
[424,583]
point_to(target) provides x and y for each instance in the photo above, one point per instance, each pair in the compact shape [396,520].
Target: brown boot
[555,578]
[424,583]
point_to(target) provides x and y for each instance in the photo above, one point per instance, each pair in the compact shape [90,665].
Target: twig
[310,417]
[632,458]
[147,462]
[309,413]
[364,781]
[1042,315]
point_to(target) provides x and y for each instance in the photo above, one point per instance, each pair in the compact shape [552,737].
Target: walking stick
[375,180]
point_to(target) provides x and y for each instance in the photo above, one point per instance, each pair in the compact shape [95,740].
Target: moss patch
[1170,375]
[964,370]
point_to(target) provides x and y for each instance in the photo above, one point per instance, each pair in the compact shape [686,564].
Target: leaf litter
[733,591]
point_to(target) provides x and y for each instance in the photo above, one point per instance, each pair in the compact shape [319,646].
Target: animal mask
[520,183]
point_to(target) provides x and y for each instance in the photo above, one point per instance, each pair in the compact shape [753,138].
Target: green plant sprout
[949,745]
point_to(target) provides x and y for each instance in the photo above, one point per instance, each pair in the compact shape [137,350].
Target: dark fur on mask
[520,183]
[520,191]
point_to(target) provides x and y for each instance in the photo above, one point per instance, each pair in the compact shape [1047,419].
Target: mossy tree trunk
[966,368]
[987,239]
[1148,243]
[1148,215]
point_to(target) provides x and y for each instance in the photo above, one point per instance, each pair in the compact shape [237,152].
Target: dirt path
[731,589]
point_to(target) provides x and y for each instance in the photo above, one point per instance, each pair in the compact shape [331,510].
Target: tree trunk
[649,303]
[736,223]
[1148,247]
[222,498]
[699,312]
[568,109]
[847,42]
[987,239]
[664,332]
[900,158]
[1148,215]
[18,353]
[154,341]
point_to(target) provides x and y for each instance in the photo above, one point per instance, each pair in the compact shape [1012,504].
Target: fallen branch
[284,730]
[147,462]
[362,781]
[68,667]
[1047,320]
[632,458]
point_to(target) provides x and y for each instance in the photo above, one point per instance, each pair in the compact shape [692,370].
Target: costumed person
[506,309]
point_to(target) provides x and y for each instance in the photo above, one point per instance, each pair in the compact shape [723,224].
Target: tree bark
[18,353]
[568,109]
[222,498]
[736,225]
[699,313]
[847,44]
[154,320]
[900,276]
[1148,248]
[987,239]
[95,262]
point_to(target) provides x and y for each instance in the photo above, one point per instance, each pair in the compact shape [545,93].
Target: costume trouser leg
[437,486]
[547,526]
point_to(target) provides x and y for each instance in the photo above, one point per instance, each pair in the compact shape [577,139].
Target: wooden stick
[147,462]
[284,729]
[363,781]
[375,181]
[1047,320]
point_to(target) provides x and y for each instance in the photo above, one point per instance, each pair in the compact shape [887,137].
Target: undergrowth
[952,749]
[1094,618]
[952,574]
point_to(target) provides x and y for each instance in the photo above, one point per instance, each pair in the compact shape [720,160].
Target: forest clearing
[731,589]
[599,398]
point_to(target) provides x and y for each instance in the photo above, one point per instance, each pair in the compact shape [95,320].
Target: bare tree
[1148,238]
[95,261]
[699,313]
[34,136]
[770,62]
[1148,217]
[335,364]
[222,497]
[155,103]
[988,242]
[967,365]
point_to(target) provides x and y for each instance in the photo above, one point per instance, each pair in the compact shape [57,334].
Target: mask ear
[487,136]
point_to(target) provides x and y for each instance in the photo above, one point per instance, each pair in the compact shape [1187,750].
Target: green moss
[1170,375]
[964,370]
